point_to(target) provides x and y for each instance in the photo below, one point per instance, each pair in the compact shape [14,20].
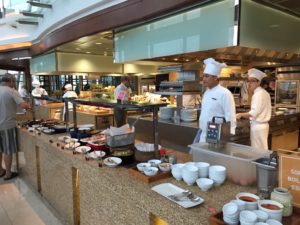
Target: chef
[69,93]
[122,94]
[260,112]
[38,91]
[217,101]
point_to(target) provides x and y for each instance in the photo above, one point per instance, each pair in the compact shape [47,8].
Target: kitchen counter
[83,193]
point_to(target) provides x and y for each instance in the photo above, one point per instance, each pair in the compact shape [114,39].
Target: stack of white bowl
[231,213]
[177,171]
[202,169]
[218,174]
[248,218]
[188,115]
[166,113]
[189,174]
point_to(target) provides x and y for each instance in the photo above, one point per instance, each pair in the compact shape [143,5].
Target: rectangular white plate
[167,189]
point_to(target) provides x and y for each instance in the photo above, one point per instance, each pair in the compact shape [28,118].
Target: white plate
[48,131]
[72,146]
[167,189]
[96,154]
[112,161]
[86,126]
[63,138]
[82,149]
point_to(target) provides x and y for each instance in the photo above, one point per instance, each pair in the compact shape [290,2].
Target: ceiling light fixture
[98,43]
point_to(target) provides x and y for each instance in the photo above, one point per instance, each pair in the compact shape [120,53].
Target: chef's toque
[68,87]
[213,67]
[36,83]
[257,74]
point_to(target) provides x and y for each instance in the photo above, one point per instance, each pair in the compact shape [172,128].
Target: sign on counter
[289,175]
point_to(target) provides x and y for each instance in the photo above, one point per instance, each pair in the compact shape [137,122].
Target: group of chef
[218,101]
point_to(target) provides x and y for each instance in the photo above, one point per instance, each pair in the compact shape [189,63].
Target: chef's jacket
[121,92]
[260,113]
[217,101]
[69,94]
[38,92]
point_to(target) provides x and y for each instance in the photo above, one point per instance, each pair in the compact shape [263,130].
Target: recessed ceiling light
[78,49]
[98,43]
[105,53]
[175,59]
[187,60]
[87,52]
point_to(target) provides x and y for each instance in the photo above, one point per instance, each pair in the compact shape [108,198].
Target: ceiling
[102,44]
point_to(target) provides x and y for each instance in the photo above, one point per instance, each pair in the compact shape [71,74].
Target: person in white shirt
[23,92]
[217,101]
[69,94]
[122,94]
[38,91]
[260,112]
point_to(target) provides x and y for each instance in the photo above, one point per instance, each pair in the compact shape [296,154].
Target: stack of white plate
[188,115]
[230,214]
[166,113]
[218,174]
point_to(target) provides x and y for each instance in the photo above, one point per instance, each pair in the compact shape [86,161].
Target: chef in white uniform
[69,94]
[260,112]
[38,91]
[217,100]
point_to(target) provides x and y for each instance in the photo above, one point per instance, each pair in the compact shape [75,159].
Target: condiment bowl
[154,162]
[151,171]
[143,166]
[165,167]
[249,199]
[204,183]
[273,208]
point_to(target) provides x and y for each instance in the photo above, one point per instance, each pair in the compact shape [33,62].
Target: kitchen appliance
[218,132]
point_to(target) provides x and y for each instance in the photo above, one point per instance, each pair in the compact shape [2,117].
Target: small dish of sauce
[270,206]
[247,199]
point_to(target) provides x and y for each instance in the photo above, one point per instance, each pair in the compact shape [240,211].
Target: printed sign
[289,175]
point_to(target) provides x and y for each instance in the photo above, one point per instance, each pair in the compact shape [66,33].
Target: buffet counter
[81,192]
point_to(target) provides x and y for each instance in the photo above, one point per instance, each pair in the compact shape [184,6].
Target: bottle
[163,156]
[283,196]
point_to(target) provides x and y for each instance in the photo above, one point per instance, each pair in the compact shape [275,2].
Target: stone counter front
[81,192]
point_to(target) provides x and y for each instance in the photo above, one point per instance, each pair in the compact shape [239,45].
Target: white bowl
[143,166]
[248,217]
[154,162]
[96,154]
[68,140]
[82,149]
[262,216]
[275,214]
[151,171]
[273,222]
[189,174]
[241,204]
[204,183]
[230,209]
[261,223]
[112,161]
[177,171]
[203,169]
[249,199]
[72,145]
[165,167]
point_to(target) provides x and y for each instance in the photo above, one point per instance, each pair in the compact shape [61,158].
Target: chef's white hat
[36,83]
[212,67]
[68,87]
[259,75]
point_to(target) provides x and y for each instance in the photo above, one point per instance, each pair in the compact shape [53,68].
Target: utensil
[184,196]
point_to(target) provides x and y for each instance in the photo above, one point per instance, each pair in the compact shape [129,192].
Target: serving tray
[160,175]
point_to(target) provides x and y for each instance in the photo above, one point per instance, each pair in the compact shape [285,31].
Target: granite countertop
[121,182]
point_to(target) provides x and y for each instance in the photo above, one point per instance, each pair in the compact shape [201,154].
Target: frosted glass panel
[266,28]
[43,64]
[203,28]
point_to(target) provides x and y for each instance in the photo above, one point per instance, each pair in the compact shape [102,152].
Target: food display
[92,109]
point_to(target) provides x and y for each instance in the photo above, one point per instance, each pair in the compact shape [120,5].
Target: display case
[287,93]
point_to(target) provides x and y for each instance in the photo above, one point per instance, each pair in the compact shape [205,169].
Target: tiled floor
[20,206]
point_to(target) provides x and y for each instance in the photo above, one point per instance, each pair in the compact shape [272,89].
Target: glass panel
[196,30]
[266,28]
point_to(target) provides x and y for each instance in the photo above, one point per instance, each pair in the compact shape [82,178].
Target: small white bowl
[273,222]
[275,214]
[68,140]
[247,216]
[177,171]
[204,183]
[112,161]
[143,166]
[165,167]
[262,216]
[151,171]
[82,149]
[154,162]
[249,199]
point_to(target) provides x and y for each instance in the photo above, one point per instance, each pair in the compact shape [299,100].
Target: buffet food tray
[160,175]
